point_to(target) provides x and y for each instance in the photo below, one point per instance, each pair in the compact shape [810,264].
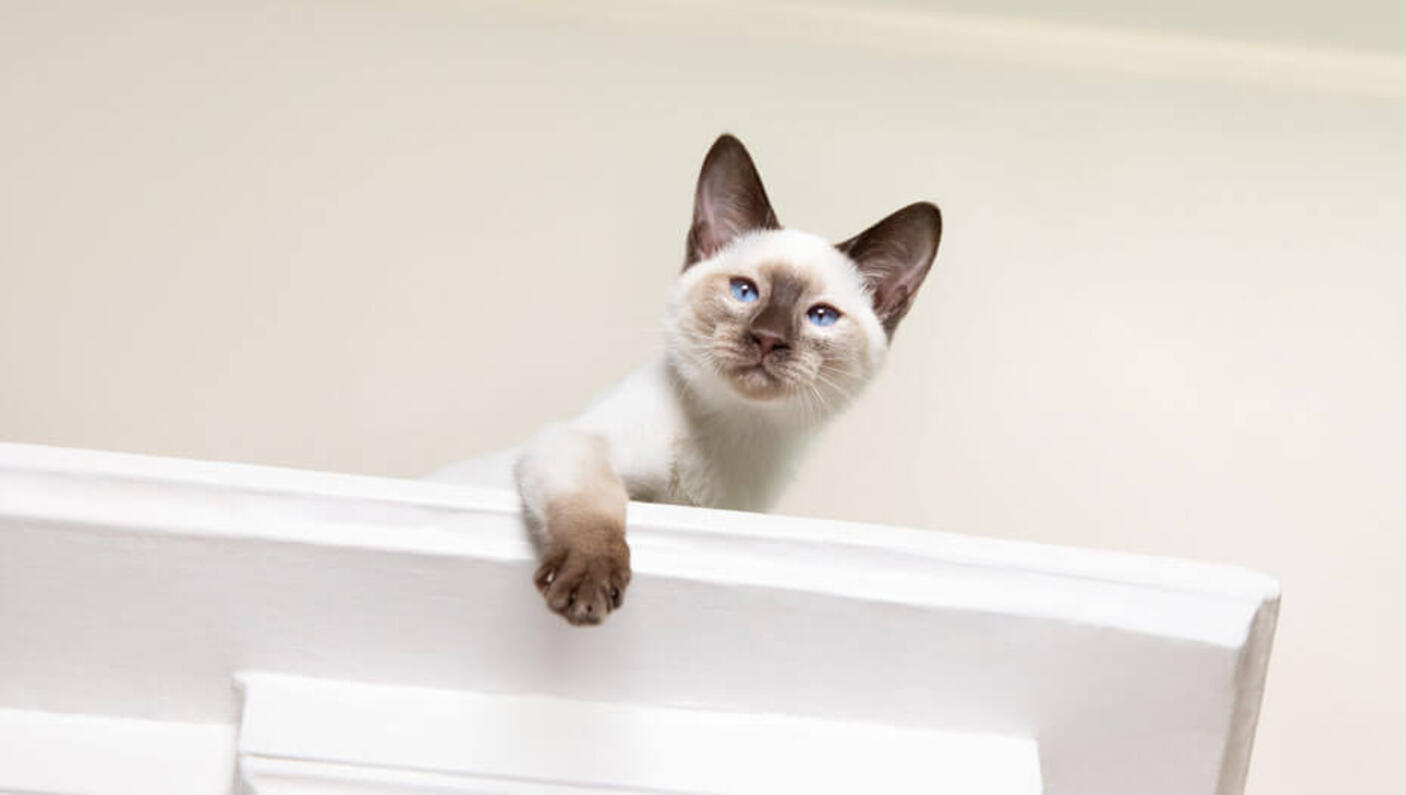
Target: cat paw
[585,581]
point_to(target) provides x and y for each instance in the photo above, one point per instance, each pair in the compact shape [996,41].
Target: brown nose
[768,340]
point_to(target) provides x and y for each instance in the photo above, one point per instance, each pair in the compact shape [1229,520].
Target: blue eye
[823,315]
[743,290]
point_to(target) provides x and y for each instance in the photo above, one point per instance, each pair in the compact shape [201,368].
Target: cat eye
[823,314]
[744,290]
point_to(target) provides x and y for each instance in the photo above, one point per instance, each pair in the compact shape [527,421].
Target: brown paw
[585,580]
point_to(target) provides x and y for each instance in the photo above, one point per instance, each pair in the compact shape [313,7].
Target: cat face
[777,316]
[781,318]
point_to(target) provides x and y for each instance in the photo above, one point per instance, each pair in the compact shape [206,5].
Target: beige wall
[1169,314]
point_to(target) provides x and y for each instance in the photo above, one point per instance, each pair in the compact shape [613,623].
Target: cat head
[781,318]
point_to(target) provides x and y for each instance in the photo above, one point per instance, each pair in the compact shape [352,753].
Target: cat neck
[736,453]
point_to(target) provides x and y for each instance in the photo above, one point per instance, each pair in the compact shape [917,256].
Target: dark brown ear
[729,200]
[895,255]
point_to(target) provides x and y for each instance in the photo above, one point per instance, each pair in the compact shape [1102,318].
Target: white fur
[676,430]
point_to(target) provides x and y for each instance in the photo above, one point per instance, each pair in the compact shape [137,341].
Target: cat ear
[894,256]
[729,200]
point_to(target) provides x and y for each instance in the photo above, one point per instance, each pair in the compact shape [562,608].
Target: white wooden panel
[294,727]
[139,587]
[58,754]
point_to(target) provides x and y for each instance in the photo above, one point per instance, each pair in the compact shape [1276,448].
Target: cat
[769,332]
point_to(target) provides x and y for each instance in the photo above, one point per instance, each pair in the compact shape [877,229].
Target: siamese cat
[769,332]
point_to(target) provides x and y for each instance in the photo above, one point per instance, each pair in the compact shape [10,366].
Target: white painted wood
[48,752]
[267,776]
[483,742]
[138,588]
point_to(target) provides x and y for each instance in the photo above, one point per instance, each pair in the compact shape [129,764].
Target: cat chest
[735,476]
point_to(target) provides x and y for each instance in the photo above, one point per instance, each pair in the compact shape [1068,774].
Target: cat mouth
[766,366]
[756,370]
[758,380]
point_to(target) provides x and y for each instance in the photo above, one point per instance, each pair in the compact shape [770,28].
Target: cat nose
[768,340]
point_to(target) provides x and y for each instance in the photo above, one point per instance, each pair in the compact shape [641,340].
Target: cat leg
[575,502]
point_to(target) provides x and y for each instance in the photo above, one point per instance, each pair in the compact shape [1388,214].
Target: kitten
[769,332]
